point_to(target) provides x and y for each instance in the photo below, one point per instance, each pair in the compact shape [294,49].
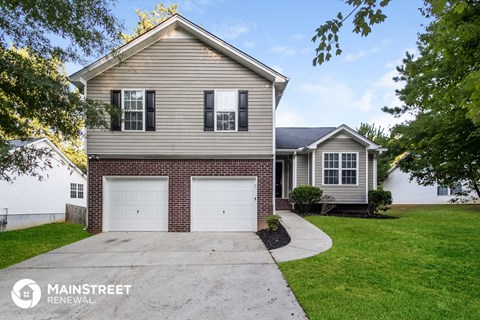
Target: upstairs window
[340,168]
[225,110]
[134,110]
[226,106]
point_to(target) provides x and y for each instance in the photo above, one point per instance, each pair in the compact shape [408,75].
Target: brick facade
[179,172]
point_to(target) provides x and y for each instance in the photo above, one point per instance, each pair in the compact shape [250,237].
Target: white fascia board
[148,38]
[61,154]
[355,135]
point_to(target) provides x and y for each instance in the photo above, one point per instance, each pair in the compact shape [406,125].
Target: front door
[278,179]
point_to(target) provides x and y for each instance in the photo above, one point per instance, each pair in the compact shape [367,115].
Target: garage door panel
[136,204]
[224,204]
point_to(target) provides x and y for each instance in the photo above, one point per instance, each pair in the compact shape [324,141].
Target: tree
[387,158]
[34,92]
[441,91]
[148,20]
[454,27]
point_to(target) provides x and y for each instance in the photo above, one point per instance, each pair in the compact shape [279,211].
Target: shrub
[273,221]
[328,204]
[378,200]
[305,196]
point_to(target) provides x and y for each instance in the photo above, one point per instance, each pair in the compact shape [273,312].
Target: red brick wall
[179,173]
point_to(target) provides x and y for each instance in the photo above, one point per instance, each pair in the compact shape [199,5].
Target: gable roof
[350,132]
[310,138]
[21,143]
[175,22]
[33,141]
[296,138]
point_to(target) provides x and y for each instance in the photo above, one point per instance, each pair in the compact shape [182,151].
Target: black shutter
[116,100]
[150,116]
[242,110]
[209,110]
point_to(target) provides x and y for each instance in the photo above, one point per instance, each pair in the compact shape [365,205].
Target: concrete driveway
[172,276]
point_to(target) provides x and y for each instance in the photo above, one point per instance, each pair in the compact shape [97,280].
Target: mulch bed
[351,214]
[274,240]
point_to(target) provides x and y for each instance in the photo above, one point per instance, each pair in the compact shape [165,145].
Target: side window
[80,191]
[73,190]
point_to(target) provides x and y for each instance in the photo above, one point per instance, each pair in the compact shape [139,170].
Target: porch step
[282,204]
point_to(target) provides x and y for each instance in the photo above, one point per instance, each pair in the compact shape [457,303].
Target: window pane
[80,191]
[442,191]
[330,177]
[133,107]
[225,121]
[73,190]
[226,100]
[457,189]
[331,160]
[349,176]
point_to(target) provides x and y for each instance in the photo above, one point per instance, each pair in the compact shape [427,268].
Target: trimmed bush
[305,196]
[379,200]
[273,221]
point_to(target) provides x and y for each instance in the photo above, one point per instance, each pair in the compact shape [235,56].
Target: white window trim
[215,110]
[339,168]
[144,110]
[73,185]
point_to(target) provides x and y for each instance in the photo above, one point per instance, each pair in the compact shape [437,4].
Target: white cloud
[249,44]
[231,31]
[354,57]
[288,116]
[365,103]
[298,36]
[288,51]
[196,5]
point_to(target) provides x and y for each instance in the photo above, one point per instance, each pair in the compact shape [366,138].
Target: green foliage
[35,94]
[442,91]
[366,13]
[19,245]
[148,20]
[387,158]
[304,196]
[272,222]
[88,26]
[420,266]
[379,200]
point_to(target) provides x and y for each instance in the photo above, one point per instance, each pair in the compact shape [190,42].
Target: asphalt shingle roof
[294,138]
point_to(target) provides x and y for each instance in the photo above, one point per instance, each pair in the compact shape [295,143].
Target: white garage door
[135,204]
[224,204]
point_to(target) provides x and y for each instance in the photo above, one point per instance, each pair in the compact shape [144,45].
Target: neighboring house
[195,148]
[405,191]
[340,161]
[27,201]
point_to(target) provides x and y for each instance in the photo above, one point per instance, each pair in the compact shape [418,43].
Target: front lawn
[425,265]
[19,245]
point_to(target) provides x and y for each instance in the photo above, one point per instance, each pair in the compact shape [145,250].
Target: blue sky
[349,89]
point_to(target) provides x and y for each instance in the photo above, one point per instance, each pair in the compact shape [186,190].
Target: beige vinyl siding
[342,193]
[302,169]
[179,70]
[370,171]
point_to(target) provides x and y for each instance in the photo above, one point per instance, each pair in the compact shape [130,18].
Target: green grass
[19,245]
[425,265]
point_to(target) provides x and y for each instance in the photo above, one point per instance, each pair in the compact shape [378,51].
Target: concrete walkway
[307,240]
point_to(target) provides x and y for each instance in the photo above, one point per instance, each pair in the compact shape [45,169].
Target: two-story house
[195,146]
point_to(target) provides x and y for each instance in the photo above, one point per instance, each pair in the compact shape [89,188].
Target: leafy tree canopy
[35,94]
[148,20]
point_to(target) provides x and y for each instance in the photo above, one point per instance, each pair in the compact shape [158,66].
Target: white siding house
[27,201]
[405,191]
